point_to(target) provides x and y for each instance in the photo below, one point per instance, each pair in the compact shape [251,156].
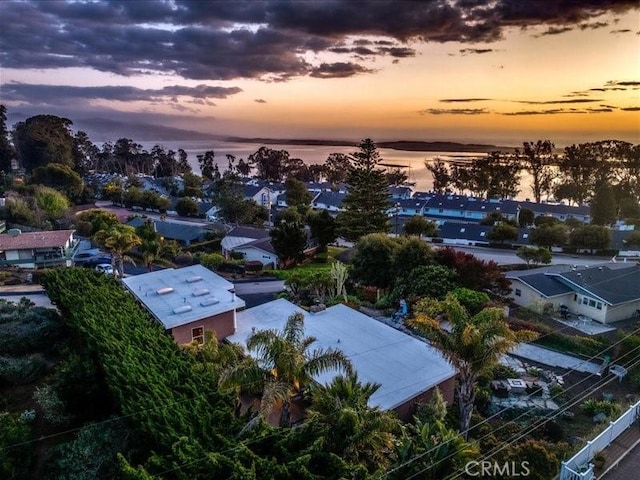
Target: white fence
[579,467]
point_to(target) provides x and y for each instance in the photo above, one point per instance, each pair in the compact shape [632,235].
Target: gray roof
[172,231]
[558,209]
[261,243]
[466,231]
[196,286]
[403,365]
[248,232]
[546,285]
[330,198]
[613,283]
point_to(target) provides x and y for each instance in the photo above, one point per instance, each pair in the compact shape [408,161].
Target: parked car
[105,268]
[85,256]
[98,260]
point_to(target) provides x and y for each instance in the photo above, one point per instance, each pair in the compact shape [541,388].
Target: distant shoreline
[403,145]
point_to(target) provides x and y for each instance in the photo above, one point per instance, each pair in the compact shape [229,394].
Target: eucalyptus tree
[537,159]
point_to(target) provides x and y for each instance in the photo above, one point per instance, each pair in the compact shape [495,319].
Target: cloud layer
[267,39]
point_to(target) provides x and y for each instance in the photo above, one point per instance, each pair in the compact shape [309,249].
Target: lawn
[311,266]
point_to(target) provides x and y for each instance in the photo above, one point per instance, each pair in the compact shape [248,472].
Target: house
[557,210]
[260,250]
[239,236]
[37,249]
[399,192]
[264,194]
[407,207]
[208,210]
[455,233]
[406,368]
[188,301]
[330,201]
[317,187]
[471,209]
[606,293]
[182,233]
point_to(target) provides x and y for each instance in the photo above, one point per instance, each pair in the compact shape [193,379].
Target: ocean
[315,154]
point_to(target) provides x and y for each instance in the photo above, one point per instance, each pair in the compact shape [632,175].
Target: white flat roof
[403,365]
[181,296]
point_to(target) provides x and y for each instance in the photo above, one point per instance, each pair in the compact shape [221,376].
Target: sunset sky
[500,71]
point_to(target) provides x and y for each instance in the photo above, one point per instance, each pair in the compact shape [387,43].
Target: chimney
[233,295]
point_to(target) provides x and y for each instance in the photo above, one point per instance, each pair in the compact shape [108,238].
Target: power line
[548,417]
[500,412]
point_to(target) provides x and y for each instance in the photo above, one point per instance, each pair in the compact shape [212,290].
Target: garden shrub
[593,407]
[21,370]
[16,462]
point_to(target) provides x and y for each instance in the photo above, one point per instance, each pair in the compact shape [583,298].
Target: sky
[500,71]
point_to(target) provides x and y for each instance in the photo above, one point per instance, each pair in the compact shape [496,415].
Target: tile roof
[28,240]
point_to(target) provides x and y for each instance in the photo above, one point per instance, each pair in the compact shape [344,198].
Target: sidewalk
[554,359]
[21,289]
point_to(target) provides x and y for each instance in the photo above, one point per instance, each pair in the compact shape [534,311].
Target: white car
[105,268]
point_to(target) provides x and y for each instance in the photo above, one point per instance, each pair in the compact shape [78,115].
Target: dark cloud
[554,31]
[478,51]
[599,110]
[262,39]
[631,109]
[623,84]
[553,102]
[454,111]
[553,111]
[622,30]
[464,100]
[338,70]
[593,26]
[260,100]
[51,94]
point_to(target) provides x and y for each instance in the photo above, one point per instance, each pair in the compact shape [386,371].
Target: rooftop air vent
[182,309]
[200,292]
[164,290]
[195,279]
[209,301]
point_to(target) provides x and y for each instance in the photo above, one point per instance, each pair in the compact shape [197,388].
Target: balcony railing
[579,467]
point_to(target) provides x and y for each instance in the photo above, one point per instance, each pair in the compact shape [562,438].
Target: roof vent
[200,292]
[209,301]
[182,309]
[195,279]
[164,290]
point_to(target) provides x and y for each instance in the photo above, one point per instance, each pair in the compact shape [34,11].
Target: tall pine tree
[367,202]
[6,148]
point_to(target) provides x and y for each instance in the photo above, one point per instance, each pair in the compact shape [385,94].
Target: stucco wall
[254,254]
[623,312]
[532,299]
[447,389]
[222,324]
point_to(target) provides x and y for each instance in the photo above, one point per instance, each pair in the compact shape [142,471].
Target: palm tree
[348,426]
[118,240]
[153,250]
[431,450]
[281,367]
[474,344]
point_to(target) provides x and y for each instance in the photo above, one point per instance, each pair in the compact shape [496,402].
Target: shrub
[501,372]
[593,407]
[16,464]
[54,409]
[22,370]
[212,260]
[472,300]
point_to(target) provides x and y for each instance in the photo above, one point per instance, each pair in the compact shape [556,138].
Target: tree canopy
[366,203]
[43,139]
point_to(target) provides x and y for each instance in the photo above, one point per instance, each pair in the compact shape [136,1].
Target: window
[518,292]
[599,305]
[197,335]
[585,301]
[575,298]
[482,234]
[592,303]
[525,235]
